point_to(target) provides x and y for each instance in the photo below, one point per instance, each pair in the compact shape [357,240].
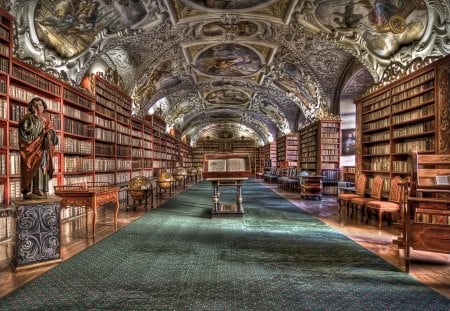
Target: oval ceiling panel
[232,60]
[227,97]
[243,28]
[227,4]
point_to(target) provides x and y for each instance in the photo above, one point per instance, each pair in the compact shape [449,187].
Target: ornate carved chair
[391,206]
[375,194]
[344,198]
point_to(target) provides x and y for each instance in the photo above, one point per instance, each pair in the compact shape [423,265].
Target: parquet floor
[430,268]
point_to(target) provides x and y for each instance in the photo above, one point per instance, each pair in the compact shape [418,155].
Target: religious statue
[37,138]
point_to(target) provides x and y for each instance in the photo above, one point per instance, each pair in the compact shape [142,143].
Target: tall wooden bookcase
[287,150]
[410,114]
[270,155]
[319,152]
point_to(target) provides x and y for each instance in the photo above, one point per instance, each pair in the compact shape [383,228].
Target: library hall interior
[224,155]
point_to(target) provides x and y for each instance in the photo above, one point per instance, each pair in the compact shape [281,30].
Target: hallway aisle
[431,269]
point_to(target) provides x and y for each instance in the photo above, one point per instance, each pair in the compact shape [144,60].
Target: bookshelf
[270,155]
[287,150]
[348,174]
[6,45]
[258,161]
[99,140]
[319,152]
[404,116]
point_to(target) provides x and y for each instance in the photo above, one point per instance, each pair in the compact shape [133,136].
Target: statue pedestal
[37,233]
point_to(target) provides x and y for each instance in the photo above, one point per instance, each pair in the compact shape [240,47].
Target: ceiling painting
[227,4]
[70,26]
[384,25]
[229,97]
[228,60]
[161,77]
[188,10]
[293,81]
[241,28]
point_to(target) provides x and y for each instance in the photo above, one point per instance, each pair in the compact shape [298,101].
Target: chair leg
[380,216]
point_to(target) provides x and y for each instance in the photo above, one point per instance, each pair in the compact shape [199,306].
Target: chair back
[361,184]
[377,187]
[396,190]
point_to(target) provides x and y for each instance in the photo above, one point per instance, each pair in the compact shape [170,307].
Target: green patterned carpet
[177,258]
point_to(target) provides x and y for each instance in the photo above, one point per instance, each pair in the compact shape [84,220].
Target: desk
[227,209]
[93,195]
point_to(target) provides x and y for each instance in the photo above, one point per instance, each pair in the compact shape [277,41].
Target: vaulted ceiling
[232,68]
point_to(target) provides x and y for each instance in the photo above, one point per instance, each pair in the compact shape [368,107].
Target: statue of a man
[37,138]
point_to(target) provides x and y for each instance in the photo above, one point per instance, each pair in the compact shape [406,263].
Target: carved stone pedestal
[37,234]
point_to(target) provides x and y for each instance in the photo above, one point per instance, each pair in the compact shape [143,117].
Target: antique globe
[192,171]
[164,180]
[137,187]
[179,173]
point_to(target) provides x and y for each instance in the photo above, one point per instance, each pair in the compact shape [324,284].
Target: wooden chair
[392,206]
[375,194]
[344,198]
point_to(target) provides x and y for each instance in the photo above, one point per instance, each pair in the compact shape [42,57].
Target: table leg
[116,213]
[215,197]
[239,198]
[94,220]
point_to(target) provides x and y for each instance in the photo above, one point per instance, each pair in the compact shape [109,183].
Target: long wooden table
[89,195]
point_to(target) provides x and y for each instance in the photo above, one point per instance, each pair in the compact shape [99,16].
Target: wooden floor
[430,268]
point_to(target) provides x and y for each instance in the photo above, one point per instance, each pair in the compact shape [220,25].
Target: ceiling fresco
[232,68]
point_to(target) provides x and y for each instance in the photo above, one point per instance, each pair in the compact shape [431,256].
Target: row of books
[420,145]
[380,164]
[427,126]
[412,115]
[35,79]
[385,112]
[78,114]
[72,145]
[4,49]
[377,149]
[4,64]
[74,164]
[413,82]
[77,99]
[413,102]
[376,137]
[413,91]
[432,216]
[330,175]
[375,125]
[377,102]
[4,33]
[20,94]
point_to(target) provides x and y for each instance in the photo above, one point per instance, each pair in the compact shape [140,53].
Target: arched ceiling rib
[268,65]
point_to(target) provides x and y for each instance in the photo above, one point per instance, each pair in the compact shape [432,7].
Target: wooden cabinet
[287,150]
[311,187]
[319,152]
[407,115]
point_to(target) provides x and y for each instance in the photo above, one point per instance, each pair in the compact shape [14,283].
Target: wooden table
[90,195]
[227,209]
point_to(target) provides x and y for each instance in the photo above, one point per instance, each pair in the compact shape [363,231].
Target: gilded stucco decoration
[273,65]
